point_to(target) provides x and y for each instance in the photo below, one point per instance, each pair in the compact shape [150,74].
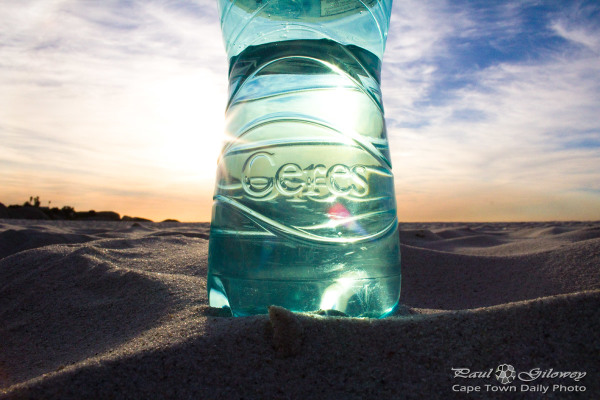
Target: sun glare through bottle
[304,212]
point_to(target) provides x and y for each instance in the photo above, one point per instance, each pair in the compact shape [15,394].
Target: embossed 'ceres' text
[260,176]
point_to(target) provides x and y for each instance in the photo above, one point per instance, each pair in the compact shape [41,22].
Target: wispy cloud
[494,100]
[579,24]
[89,90]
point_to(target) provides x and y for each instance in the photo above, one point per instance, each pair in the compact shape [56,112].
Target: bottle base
[350,294]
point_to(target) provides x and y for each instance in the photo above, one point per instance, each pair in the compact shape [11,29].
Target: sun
[188,113]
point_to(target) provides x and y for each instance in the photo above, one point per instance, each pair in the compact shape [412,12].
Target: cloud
[521,118]
[578,23]
[79,70]
[111,96]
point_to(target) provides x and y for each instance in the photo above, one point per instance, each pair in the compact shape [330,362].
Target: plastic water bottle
[304,212]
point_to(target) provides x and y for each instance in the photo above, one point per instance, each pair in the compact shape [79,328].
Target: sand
[119,310]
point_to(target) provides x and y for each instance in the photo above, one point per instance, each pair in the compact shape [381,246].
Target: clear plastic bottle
[304,211]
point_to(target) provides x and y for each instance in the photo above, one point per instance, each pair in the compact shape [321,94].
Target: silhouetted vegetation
[35,200]
[32,209]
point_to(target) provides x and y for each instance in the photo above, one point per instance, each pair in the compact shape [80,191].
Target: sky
[492,107]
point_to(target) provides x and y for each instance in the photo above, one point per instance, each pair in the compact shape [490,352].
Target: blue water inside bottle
[304,212]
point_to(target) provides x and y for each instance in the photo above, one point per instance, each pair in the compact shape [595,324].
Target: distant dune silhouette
[33,210]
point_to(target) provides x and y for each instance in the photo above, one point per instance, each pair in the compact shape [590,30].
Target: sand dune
[93,309]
